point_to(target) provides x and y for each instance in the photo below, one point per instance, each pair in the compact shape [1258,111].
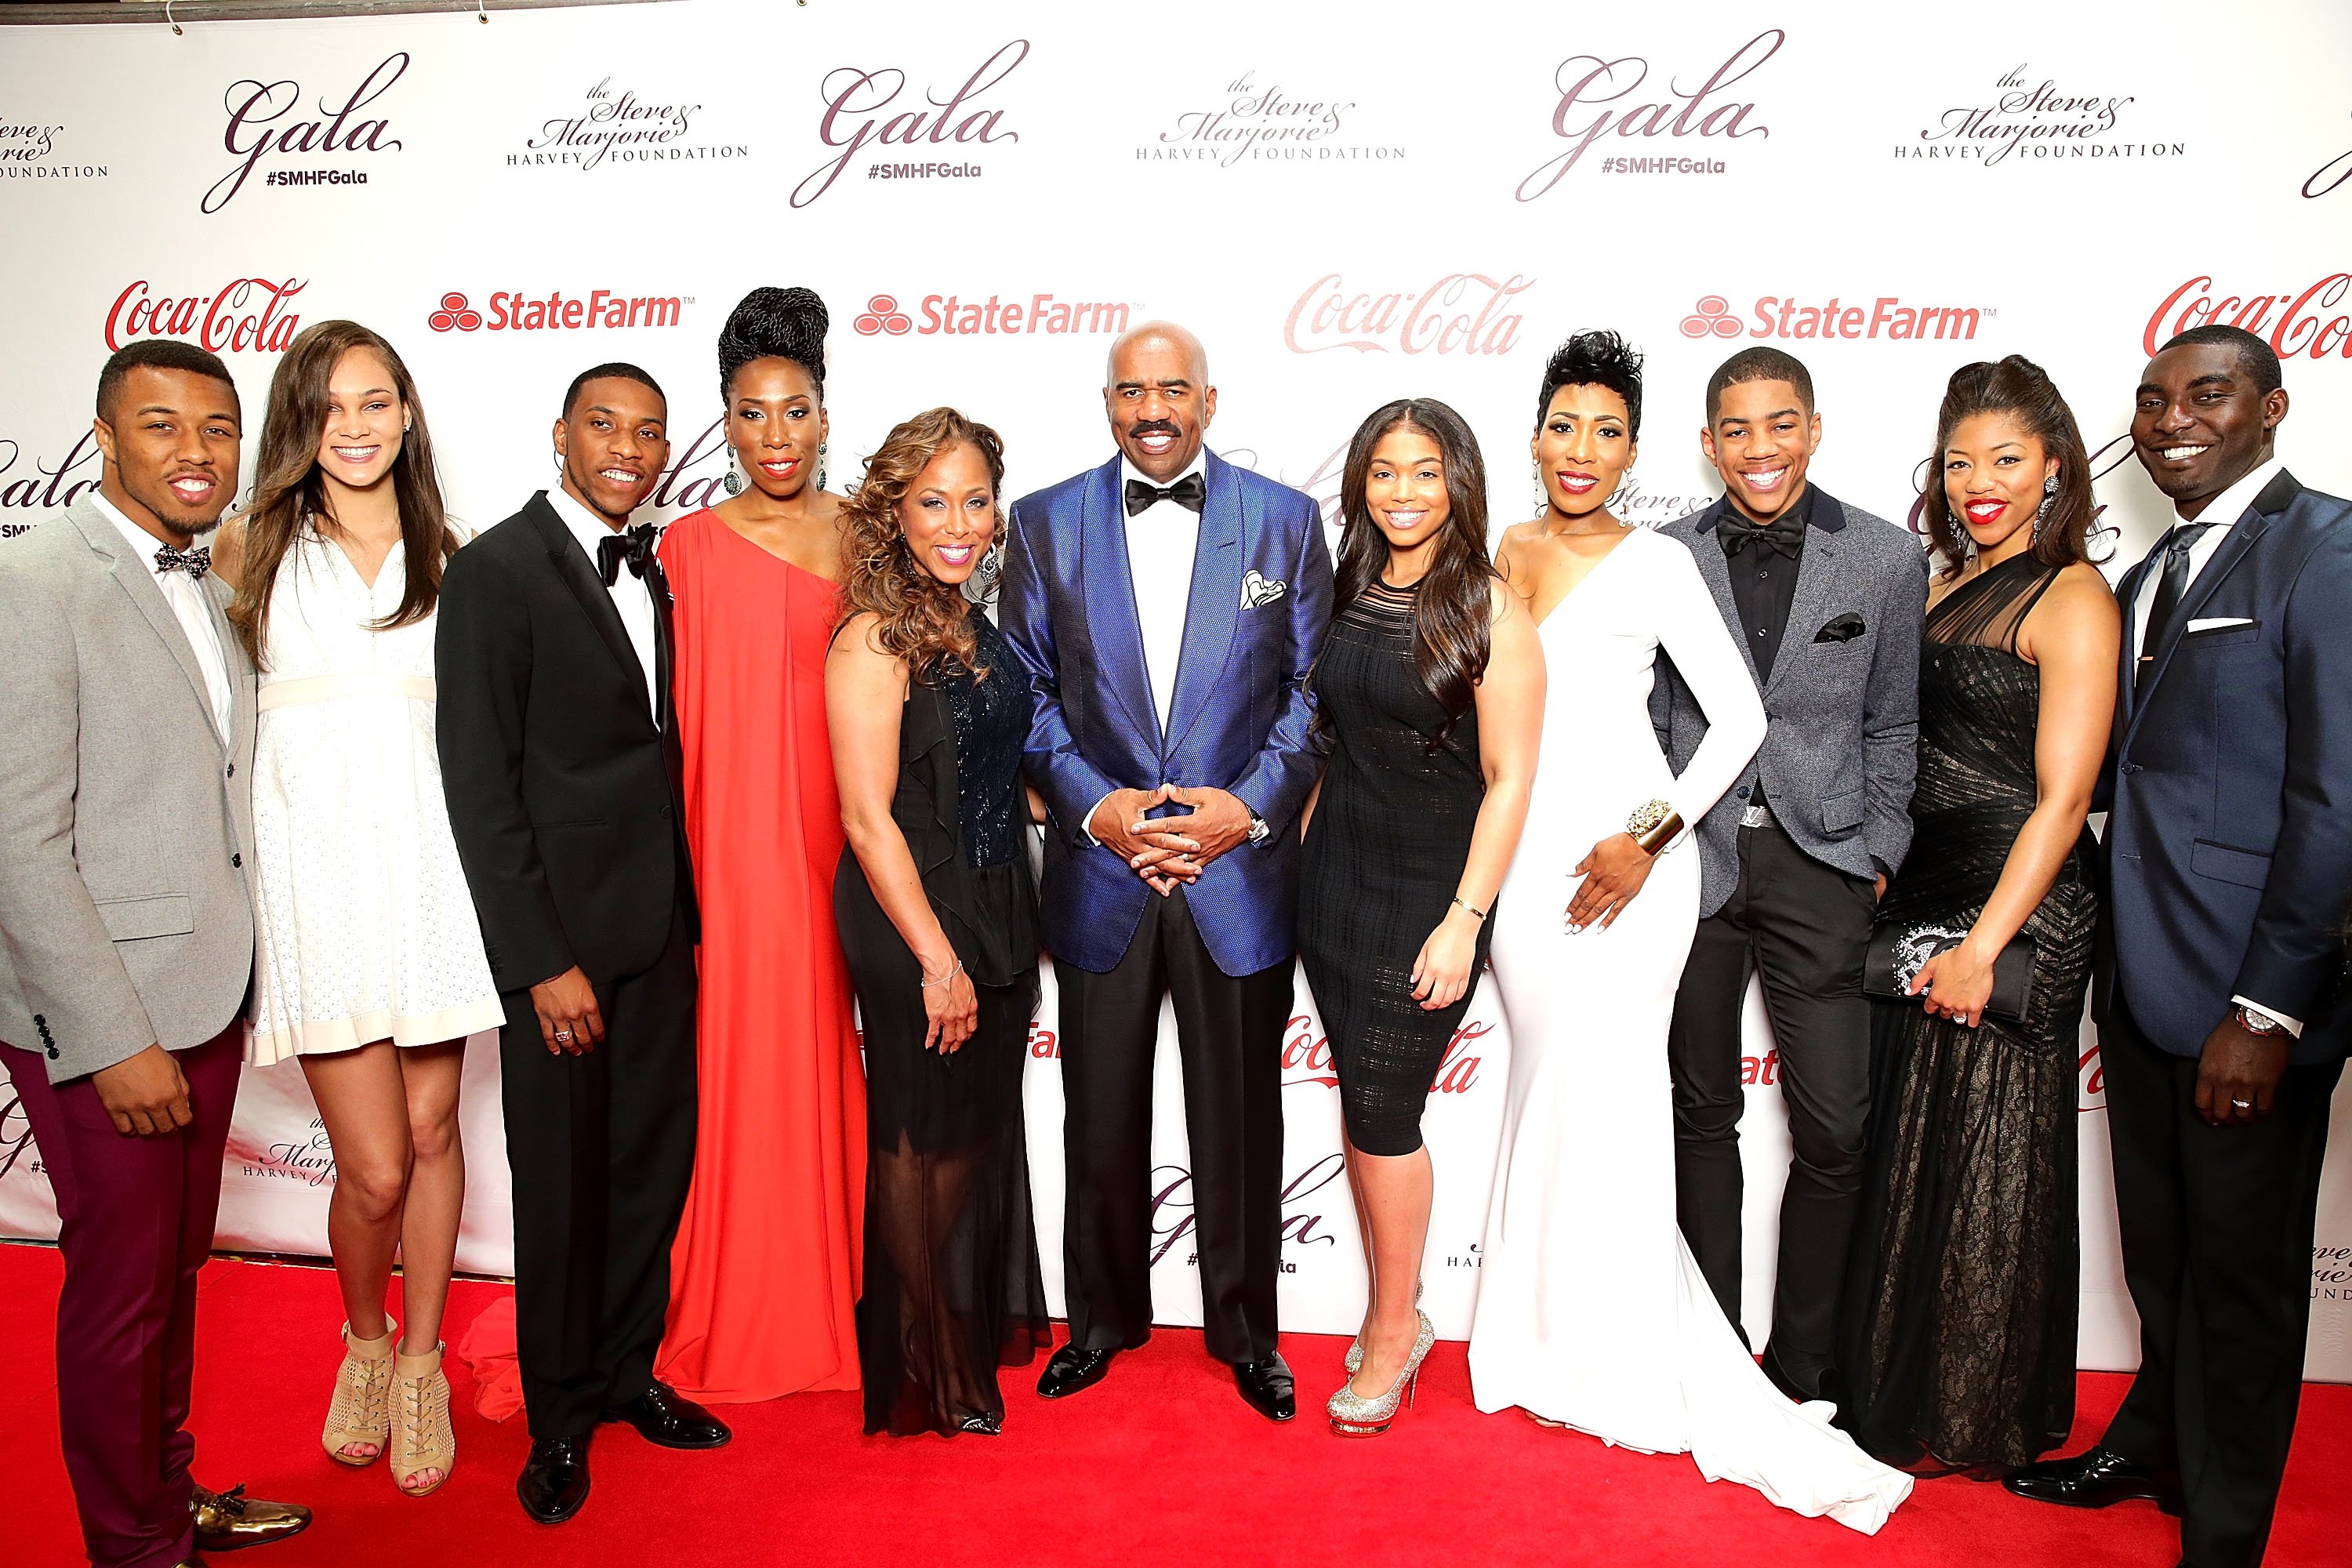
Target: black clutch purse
[1898,950]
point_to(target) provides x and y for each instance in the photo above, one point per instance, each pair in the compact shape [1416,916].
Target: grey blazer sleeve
[72,980]
[1890,720]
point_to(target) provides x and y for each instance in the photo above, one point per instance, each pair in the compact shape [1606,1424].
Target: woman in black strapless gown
[929,709]
[1959,1311]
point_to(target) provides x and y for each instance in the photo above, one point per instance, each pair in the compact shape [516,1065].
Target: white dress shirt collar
[190,606]
[632,595]
[2231,504]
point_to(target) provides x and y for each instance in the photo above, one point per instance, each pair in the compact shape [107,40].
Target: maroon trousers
[136,1225]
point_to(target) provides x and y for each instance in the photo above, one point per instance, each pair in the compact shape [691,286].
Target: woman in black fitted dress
[1431,689]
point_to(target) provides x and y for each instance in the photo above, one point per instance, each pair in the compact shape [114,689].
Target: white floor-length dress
[367,931]
[1591,1310]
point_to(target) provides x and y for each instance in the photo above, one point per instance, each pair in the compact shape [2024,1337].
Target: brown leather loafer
[231,1521]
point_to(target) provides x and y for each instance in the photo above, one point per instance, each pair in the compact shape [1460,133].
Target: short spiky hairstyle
[158,354]
[2255,357]
[1759,363]
[1596,359]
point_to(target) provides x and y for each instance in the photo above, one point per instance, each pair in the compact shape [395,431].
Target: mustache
[1155,427]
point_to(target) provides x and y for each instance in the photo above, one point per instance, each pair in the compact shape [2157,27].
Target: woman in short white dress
[370,967]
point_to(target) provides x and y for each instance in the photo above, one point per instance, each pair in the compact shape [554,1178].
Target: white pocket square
[1259,589]
[2215,623]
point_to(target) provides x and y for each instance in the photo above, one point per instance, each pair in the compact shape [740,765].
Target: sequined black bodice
[991,724]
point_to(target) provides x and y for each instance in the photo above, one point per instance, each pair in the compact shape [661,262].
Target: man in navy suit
[1168,606]
[2222,1023]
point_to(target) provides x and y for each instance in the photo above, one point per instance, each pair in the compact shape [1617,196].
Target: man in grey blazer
[126,933]
[1828,603]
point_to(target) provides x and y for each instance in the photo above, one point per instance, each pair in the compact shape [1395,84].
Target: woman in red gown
[764,1276]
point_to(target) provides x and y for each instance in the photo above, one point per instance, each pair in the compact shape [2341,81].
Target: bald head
[1159,398]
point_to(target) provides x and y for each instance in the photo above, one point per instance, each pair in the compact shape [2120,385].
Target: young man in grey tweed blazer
[1828,603]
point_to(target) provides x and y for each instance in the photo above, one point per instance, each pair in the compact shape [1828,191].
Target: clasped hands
[1166,851]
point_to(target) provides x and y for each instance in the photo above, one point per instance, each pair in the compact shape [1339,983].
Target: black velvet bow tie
[1191,492]
[1786,535]
[633,545]
[194,562]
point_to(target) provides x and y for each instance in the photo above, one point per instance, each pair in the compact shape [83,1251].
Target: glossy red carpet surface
[1160,1464]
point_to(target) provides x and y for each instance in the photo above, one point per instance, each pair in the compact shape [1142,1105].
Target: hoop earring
[733,483]
[2042,513]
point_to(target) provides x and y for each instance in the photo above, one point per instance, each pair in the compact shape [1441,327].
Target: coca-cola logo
[869,111]
[1305,1216]
[31,483]
[963,315]
[1467,313]
[245,314]
[613,126]
[1596,99]
[1882,316]
[266,121]
[511,311]
[28,151]
[2031,119]
[1307,1057]
[2091,1092]
[1270,124]
[2309,320]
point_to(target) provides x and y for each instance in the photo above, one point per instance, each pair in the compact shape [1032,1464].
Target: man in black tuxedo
[559,758]
[2222,1025]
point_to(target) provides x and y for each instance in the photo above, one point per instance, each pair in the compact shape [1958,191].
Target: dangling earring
[821,449]
[2042,513]
[982,585]
[1543,496]
[733,483]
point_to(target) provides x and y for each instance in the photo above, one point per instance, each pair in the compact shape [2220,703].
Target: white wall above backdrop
[1415,203]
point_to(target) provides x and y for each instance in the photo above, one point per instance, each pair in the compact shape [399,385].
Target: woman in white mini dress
[370,968]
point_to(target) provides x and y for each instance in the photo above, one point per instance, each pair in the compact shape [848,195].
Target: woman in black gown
[928,709]
[1431,689]
[1959,1311]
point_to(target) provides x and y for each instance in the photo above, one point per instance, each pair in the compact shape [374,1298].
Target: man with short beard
[2223,1023]
[126,933]
[559,758]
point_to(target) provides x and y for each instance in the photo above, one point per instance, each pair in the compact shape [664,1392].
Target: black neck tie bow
[1786,535]
[1191,492]
[194,562]
[632,545]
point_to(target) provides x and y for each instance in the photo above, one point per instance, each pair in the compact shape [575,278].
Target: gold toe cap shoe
[230,1520]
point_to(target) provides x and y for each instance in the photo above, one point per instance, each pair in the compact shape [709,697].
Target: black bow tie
[194,562]
[634,545]
[1786,535]
[1191,492]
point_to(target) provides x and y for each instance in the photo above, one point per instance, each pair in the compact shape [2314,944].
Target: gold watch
[1653,825]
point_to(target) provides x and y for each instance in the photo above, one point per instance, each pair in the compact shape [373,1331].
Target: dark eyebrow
[2217,378]
[1736,419]
[1173,384]
[370,391]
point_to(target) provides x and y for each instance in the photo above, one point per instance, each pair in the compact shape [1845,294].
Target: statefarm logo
[2309,320]
[1707,112]
[1886,316]
[615,127]
[853,121]
[1265,124]
[245,314]
[511,311]
[1457,314]
[28,151]
[2032,120]
[259,128]
[955,316]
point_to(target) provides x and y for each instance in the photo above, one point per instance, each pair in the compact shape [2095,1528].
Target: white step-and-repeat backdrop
[1400,200]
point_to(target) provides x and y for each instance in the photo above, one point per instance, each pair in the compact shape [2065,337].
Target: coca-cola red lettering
[253,133]
[855,99]
[2094,1073]
[1584,80]
[246,313]
[48,487]
[1462,312]
[2308,320]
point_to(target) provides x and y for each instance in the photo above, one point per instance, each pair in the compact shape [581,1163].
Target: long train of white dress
[1591,1310]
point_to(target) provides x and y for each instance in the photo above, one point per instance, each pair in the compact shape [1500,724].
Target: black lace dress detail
[1957,1328]
[953,1287]
[1382,858]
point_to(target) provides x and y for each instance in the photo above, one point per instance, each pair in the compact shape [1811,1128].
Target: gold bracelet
[1476,912]
[1654,825]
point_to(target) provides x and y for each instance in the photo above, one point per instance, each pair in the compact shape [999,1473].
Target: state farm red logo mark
[243,313]
[258,129]
[2308,320]
[517,312]
[853,101]
[882,315]
[955,316]
[1587,81]
[1712,316]
[1886,316]
[1461,312]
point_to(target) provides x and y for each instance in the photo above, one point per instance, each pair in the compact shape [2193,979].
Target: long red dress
[764,1278]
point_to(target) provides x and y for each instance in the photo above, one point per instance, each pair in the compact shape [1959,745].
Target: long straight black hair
[1451,635]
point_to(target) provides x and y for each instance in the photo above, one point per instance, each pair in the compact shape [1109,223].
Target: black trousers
[1229,1033]
[2217,1226]
[601,1147]
[1804,927]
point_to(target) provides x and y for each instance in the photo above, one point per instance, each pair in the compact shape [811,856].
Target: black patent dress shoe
[666,1419]
[555,1480]
[1267,1387]
[1071,1369]
[2095,1479]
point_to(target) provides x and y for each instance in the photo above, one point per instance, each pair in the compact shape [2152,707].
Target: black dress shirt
[1763,584]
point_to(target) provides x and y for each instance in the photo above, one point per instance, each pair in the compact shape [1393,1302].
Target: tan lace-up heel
[421,1437]
[361,1411]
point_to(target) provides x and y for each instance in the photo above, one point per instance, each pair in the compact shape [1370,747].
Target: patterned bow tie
[633,545]
[194,562]
[1786,535]
[1191,492]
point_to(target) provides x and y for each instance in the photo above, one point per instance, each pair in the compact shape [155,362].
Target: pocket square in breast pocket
[1259,589]
[2217,624]
[1845,628]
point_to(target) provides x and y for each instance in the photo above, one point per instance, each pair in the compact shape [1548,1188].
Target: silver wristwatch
[2261,1024]
[1258,829]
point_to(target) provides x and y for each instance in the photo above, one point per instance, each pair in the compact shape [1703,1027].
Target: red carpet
[1161,1465]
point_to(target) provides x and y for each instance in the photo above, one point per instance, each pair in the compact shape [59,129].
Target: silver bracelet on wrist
[955,970]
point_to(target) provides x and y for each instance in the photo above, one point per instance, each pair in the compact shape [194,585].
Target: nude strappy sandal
[421,1435]
[362,1410]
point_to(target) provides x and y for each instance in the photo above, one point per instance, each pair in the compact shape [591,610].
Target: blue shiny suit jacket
[1242,712]
[2229,785]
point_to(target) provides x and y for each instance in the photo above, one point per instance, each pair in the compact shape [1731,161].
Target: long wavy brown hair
[2020,388]
[921,618]
[288,487]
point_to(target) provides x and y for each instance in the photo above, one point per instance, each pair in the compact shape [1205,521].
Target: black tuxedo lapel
[2244,535]
[578,575]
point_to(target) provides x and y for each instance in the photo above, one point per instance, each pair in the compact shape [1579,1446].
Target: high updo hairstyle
[1596,359]
[781,324]
[2020,388]
[920,618]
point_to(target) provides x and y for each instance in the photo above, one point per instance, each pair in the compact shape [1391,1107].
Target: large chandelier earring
[733,483]
[1543,496]
[2042,513]
[821,447]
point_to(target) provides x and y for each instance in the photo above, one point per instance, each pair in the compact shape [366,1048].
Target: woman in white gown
[1592,1313]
